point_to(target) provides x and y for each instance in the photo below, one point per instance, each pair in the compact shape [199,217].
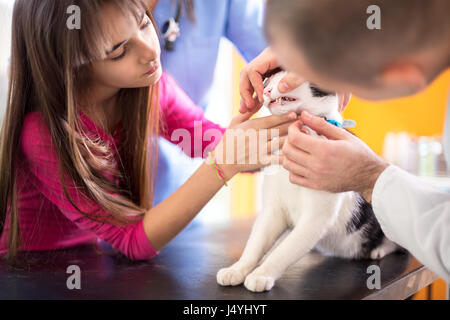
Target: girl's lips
[152,70]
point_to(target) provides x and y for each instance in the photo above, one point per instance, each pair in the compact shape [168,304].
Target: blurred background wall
[5,40]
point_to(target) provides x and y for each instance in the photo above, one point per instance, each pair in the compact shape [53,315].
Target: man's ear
[407,77]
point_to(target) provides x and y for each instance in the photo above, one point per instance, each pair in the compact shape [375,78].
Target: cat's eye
[265,82]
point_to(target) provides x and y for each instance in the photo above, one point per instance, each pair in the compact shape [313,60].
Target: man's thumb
[322,127]
[289,83]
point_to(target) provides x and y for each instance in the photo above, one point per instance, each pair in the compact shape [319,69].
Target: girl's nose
[147,52]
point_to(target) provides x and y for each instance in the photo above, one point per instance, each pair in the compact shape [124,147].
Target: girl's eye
[146,24]
[121,55]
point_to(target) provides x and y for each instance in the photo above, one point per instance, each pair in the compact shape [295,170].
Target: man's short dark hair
[334,37]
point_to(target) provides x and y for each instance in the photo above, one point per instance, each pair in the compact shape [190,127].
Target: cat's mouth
[282,100]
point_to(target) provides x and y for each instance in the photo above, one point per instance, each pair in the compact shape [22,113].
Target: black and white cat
[294,219]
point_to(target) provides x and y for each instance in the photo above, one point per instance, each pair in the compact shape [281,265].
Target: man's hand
[341,163]
[252,77]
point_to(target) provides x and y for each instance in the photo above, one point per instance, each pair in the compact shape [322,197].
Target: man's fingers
[257,83]
[254,102]
[243,107]
[294,168]
[296,155]
[265,62]
[301,181]
[301,140]
[246,92]
[252,78]
[322,127]
[290,82]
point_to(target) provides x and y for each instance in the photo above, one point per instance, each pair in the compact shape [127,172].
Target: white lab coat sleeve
[415,215]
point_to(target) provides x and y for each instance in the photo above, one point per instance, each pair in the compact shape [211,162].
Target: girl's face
[133,58]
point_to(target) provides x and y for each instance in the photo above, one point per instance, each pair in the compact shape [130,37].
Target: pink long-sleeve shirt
[49,221]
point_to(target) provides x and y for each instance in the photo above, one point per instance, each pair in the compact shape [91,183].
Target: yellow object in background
[422,114]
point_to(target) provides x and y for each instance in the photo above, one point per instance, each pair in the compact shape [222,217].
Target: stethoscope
[171,29]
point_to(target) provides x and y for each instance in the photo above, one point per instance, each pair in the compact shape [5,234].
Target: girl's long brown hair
[49,65]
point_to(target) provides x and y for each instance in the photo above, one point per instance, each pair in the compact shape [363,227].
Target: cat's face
[305,97]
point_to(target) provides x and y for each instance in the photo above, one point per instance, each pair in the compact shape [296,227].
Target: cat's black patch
[270,73]
[319,93]
[364,219]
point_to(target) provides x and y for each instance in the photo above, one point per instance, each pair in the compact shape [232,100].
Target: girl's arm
[184,123]
[164,221]
[161,223]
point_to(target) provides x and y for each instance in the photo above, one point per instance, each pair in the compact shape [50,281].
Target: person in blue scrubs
[192,63]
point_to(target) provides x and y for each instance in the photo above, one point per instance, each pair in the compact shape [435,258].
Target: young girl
[78,138]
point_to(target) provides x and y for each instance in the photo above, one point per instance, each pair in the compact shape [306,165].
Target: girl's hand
[247,145]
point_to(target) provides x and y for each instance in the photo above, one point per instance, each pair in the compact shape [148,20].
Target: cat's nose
[267,92]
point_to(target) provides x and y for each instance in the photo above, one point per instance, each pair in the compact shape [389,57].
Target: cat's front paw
[231,276]
[383,250]
[259,282]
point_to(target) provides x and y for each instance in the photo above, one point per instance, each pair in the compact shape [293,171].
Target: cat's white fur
[307,218]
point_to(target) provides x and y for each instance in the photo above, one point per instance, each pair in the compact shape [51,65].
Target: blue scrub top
[193,61]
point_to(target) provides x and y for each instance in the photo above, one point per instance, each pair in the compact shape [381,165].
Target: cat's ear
[344,100]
